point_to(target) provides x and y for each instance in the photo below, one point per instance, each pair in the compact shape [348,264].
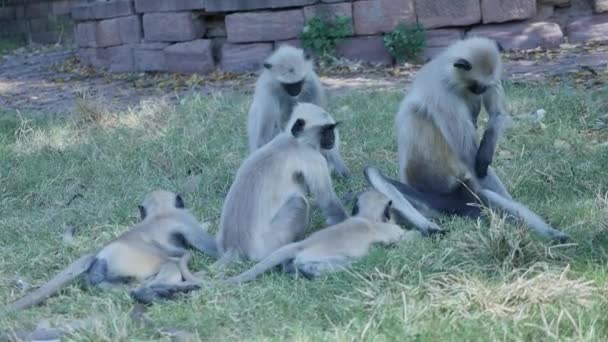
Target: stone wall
[39,21]
[189,36]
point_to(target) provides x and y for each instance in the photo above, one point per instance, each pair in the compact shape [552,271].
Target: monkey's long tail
[409,197]
[62,279]
[274,259]
[535,222]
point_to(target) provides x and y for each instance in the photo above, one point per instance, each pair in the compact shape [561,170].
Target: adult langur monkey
[152,252]
[266,206]
[442,167]
[287,78]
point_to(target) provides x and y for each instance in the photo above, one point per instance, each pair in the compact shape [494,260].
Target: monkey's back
[262,185]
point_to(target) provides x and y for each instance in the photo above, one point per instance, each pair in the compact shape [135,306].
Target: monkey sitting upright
[287,78]
[442,167]
[152,252]
[266,206]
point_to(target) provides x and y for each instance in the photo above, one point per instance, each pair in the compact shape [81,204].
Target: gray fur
[332,249]
[266,207]
[436,130]
[272,106]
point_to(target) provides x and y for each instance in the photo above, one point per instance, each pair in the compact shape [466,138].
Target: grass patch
[485,280]
[7,45]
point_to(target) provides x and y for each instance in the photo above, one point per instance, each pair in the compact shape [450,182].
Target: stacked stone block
[189,36]
[38,21]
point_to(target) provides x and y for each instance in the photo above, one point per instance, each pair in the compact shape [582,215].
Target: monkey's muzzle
[293,89]
[477,88]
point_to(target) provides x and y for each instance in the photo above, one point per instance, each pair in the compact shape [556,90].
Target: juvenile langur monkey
[266,206]
[287,78]
[334,248]
[153,251]
[442,166]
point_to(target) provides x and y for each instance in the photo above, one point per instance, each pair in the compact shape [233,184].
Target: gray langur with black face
[334,248]
[442,166]
[152,252]
[287,78]
[266,206]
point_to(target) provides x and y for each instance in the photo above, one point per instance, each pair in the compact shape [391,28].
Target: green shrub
[405,42]
[321,33]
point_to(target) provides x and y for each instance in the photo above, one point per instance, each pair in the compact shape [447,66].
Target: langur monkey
[152,252]
[442,166]
[334,248]
[266,206]
[287,78]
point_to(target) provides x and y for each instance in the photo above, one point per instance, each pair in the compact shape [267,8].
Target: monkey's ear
[463,64]
[179,202]
[307,55]
[298,127]
[387,211]
[142,212]
[267,65]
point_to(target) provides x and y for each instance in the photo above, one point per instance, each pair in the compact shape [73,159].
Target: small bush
[405,42]
[321,33]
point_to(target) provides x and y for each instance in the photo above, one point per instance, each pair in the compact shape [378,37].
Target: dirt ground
[50,79]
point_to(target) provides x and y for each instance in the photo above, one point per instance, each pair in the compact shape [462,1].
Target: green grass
[7,45]
[485,280]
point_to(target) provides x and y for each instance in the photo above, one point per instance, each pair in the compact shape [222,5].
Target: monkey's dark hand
[483,159]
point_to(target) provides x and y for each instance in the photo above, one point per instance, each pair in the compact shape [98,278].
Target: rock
[172,27]
[594,28]
[61,7]
[168,6]
[150,56]
[102,10]
[441,13]
[264,26]
[443,37]
[190,57]
[498,11]
[556,3]
[118,58]
[111,9]
[248,5]
[600,6]
[381,16]
[244,57]
[85,34]
[7,13]
[544,12]
[330,11]
[37,10]
[117,31]
[367,49]
[522,36]
[91,56]
[292,42]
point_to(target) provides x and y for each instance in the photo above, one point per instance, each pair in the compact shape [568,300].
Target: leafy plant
[405,42]
[321,33]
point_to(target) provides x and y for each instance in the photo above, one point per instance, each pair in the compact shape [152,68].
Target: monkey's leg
[290,222]
[164,285]
[521,212]
[335,160]
[313,268]
[492,182]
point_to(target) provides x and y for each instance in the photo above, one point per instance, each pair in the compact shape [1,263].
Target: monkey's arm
[493,101]
[198,237]
[263,117]
[62,279]
[321,187]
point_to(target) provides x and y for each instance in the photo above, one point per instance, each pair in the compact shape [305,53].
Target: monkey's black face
[328,137]
[293,89]
[476,88]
